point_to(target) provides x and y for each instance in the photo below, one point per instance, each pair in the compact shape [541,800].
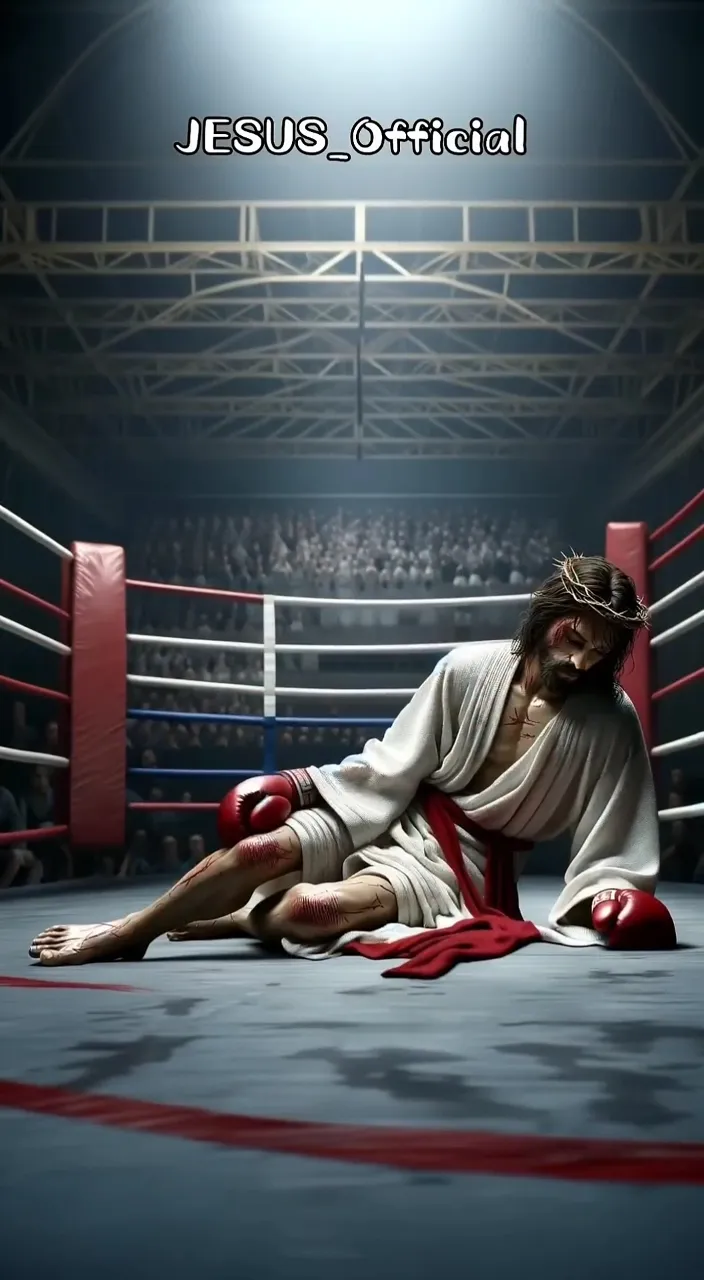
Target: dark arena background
[277,431]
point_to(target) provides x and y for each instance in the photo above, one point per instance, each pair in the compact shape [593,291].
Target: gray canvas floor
[551,1043]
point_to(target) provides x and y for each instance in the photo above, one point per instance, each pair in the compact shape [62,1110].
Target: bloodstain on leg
[315,907]
[262,851]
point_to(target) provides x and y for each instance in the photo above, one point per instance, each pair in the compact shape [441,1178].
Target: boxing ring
[94,648]
[511,1114]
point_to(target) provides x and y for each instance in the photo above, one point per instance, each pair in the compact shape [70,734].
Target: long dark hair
[586,587]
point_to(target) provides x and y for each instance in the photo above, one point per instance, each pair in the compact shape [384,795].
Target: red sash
[496,927]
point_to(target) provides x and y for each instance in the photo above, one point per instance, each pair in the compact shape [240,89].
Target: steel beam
[254,348]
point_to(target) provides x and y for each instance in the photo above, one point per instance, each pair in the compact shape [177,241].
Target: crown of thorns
[567,567]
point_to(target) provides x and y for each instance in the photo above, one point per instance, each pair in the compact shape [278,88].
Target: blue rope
[280,722]
[202,717]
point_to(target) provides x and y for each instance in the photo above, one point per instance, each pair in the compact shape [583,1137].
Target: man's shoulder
[615,714]
[470,659]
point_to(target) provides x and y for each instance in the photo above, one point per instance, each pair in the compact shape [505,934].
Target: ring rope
[679,744]
[285,691]
[29,598]
[21,686]
[33,757]
[196,773]
[678,594]
[679,547]
[36,535]
[197,642]
[439,646]
[684,811]
[282,722]
[680,629]
[356,602]
[183,717]
[173,806]
[678,517]
[34,637]
[676,685]
[172,682]
[35,834]
[288,692]
[400,602]
[338,722]
[207,593]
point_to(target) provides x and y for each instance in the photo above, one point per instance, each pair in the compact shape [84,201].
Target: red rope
[678,517]
[212,593]
[167,806]
[21,686]
[682,545]
[29,598]
[34,835]
[678,684]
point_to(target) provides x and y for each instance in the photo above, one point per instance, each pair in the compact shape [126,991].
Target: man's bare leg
[223,882]
[317,912]
[305,913]
[244,923]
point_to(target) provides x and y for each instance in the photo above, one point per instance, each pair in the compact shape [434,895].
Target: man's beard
[558,678]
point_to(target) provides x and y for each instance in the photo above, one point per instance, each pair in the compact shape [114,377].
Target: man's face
[571,648]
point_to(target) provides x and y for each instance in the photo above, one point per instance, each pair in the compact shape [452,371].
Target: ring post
[98,696]
[627,548]
[269,637]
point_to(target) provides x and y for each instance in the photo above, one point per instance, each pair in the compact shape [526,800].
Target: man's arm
[615,838]
[345,806]
[368,791]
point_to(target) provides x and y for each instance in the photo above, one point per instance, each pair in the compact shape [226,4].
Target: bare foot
[230,926]
[87,943]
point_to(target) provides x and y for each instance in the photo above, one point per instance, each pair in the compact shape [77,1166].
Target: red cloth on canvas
[496,927]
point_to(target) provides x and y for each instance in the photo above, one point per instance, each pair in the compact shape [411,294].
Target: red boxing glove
[263,804]
[633,920]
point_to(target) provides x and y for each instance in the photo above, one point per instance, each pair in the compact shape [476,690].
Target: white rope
[441,646]
[685,811]
[680,629]
[35,637]
[33,757]
[243,646]
[679,744]
[269,664]
[212,686]
[346,693]
[35,534]
[166,682]
[678,593]
[400,602]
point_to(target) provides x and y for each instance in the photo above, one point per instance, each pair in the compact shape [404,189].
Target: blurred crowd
[344,552]
[379,556]
[385,556]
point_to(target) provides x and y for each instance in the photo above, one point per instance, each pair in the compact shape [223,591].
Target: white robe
[587,771]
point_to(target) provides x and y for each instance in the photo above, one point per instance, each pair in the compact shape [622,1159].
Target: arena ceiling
[209,329]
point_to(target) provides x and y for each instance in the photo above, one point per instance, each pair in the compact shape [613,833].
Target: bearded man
[412,849]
